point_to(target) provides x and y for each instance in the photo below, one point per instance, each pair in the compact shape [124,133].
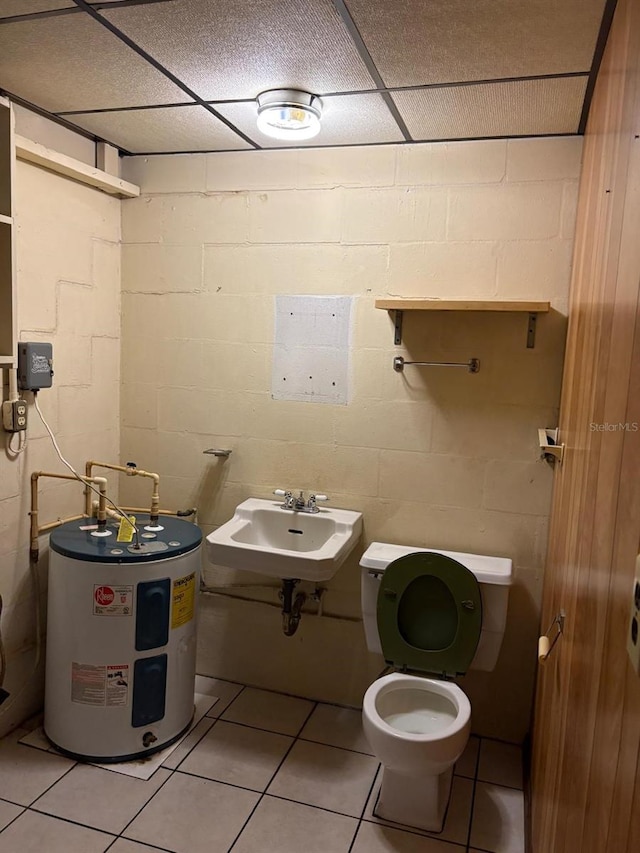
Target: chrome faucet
[299,504]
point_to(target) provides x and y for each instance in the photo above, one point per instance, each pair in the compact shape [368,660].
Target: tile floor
[261,773]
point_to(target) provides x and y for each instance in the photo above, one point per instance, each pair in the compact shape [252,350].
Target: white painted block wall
[68,281]
[432,458]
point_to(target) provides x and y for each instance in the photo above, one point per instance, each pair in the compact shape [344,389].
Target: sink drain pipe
[291,606]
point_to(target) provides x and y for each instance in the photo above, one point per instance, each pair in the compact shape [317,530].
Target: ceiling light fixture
[289,114]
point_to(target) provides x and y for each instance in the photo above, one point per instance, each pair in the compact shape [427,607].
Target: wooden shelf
[408,304]
[33,152]
[399,305]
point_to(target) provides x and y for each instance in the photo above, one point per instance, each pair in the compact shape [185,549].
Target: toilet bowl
[416,725]
[418,728]
[427,612]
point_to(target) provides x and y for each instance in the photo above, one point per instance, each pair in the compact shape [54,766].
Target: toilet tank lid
[494,570]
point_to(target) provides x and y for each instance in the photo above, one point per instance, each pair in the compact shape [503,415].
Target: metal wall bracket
[397,338]
[531,327]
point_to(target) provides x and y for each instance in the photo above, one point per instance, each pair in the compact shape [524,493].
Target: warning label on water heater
[112,600]
[182,605]
[105,686]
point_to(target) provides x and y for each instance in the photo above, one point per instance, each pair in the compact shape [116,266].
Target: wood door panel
[585,790]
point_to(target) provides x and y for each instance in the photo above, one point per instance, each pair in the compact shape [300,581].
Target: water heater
[121,638]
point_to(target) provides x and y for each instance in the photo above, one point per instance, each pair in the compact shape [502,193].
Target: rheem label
[111,600]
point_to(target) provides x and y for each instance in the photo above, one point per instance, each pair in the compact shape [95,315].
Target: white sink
[262,537]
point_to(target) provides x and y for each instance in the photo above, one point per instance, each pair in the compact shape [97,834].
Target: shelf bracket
[398,315]
[397,337]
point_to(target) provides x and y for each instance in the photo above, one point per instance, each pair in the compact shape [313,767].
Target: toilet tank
[494,575]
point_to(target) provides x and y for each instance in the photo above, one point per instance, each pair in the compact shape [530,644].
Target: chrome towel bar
[473,365]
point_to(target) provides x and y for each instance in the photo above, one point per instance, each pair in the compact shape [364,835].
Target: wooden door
[586,760]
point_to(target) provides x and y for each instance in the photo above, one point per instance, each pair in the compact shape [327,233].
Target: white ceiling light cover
[289,114]
[346,120]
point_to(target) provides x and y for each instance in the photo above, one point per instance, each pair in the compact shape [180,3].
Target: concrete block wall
[68,279]
[432,457]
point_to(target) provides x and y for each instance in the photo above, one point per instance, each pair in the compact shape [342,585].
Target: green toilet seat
[429,615]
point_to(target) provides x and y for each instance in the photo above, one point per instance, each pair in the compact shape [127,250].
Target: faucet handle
[288,498]
[312,502]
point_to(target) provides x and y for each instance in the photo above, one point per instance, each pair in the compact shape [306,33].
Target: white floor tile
[8,811]
[468,761]
[498,819]
[376,838]
[226,691]
[192,815]
[238,755]
[37,833]
[140,768]
[457,820]
[37,739]
[98,798]
[312,804]
[335,726]
[185,746]
[206,685]
[500,763]
[123,845]
[327,777]
[25,773]
[270,711]
[278,825]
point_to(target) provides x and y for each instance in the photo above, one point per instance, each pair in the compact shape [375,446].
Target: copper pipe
[101,482]
[45,527]
[130,471]
[145,510]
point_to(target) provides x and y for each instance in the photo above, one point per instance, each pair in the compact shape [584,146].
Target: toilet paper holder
[545,643]
[551,451]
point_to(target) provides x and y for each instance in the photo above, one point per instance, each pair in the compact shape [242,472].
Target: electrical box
[35,366]
[633,635]
[14,415]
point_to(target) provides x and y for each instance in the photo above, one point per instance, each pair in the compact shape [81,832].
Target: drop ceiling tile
[162,130]
[237,50]
[9,8]
[72,62]
[346,120]
[521,108]
[413,42]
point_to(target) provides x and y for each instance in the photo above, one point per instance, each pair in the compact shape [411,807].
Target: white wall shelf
[34,152]
[399,305]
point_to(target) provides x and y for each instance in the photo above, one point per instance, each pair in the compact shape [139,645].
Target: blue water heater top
[77,539]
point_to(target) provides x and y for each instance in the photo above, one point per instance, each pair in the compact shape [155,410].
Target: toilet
[432,615]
